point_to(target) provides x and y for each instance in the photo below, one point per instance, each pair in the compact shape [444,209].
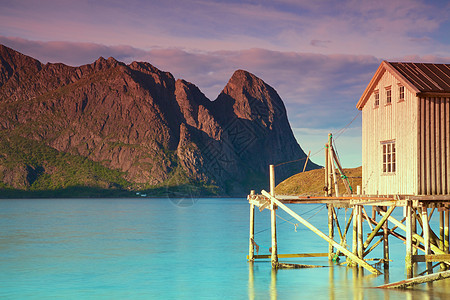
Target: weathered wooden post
[273,218]
[426,234]
[441,234]
[386,243]
[330,231]
[409,241]
[355,230]
[360,233]
[251,247]
[327,172]
[331,159]
[446,230]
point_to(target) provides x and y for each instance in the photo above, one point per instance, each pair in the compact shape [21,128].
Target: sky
[318,55]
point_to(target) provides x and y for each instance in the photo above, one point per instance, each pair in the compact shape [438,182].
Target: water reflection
[273,284]
[251,281]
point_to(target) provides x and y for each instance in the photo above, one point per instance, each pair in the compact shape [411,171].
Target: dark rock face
[141,121]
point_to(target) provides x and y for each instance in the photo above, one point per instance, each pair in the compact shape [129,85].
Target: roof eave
[373,82]
[384,66]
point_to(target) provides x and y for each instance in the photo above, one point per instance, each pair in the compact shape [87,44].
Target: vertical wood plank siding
[434,146]
[398,121]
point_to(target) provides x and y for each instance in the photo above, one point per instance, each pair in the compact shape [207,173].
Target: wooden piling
[330,231]
[426,234]
[446,230]
[273,218]
[441,234]
[386,244]
[355,230]
[251,247]
[327,172]
[333,170]
[360,232]
[409,241]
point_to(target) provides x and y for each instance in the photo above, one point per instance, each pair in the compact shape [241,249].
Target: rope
[295,224]
[336,136]
[293,218]
[291,161]
[341,131]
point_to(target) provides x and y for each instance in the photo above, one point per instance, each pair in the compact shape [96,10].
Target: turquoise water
[161,249]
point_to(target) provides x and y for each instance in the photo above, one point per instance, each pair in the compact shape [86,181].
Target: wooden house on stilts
[406,164]
[406,130]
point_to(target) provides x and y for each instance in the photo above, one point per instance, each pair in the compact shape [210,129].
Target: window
[377,98]
[401,93]
[388,95]
[388,156]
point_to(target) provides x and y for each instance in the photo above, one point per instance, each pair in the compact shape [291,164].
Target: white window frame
[388,154]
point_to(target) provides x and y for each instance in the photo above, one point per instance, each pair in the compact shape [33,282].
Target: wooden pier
[414,229]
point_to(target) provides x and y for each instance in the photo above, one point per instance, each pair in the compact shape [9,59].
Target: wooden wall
[397,121]
[434,146]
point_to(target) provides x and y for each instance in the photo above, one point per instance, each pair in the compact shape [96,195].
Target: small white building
[406,130]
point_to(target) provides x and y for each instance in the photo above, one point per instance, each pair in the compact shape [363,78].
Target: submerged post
[426,234]
[409,241]
[386,243]
[330,230]
[273,218]
[360,232]
[251,247]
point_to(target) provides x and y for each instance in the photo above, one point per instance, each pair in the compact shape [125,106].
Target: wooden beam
[416,280]
[373,247]
[336,222]
[435,249]
[378,226]
[347,253]
[306,162]
[432,258]
[294,255]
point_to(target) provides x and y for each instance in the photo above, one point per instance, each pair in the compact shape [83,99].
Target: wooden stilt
[409,241]
[347,253]
[251,247]
[330,231]
[441,235]
[355,230]
[360,233]
[426,235]
[333,170]
[273,219]
[446,230]
[327,172]
[386,245]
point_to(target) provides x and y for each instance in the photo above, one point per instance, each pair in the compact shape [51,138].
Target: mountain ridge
[154,130]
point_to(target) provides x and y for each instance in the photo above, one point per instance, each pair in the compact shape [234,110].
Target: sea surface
[176,249]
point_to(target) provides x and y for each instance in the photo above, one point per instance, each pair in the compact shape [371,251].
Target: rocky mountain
[117,126]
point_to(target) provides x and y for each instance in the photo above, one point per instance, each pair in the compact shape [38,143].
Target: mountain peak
[138,120]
